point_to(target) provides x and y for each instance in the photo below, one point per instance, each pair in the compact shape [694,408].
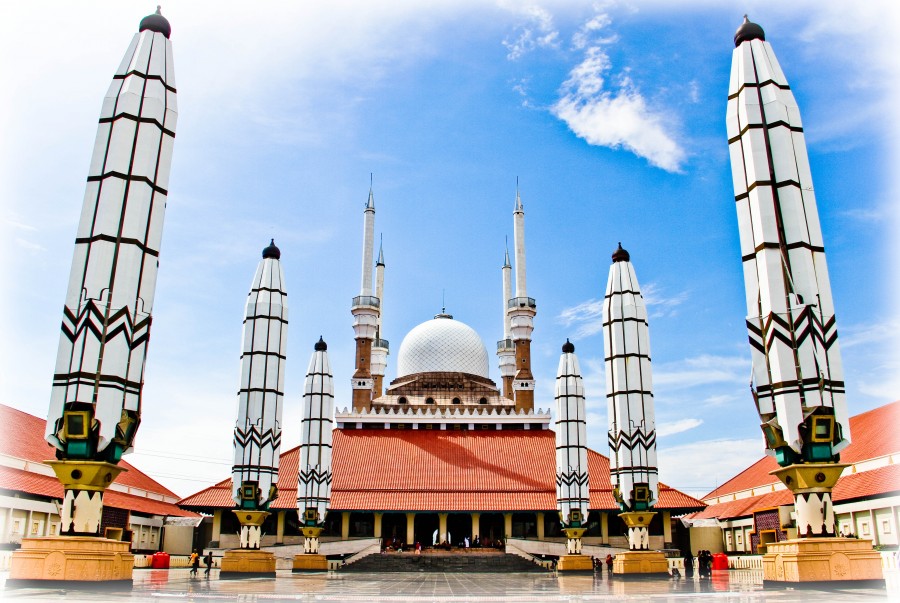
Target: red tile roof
[414,470]
[874,434]
[29,444]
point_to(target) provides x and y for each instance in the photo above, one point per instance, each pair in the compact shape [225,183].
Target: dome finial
[568,347]
[620,255]
[271,252]
[156,23]
[320,346]
[748,31]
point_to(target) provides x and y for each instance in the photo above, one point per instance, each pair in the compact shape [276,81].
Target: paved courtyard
[163,586]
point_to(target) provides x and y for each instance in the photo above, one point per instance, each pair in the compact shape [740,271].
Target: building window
[886,527]
[864,528]
[456,400]
[153,538]
[738,537]
[53,529]
[483,401]
[401,400]
[429,400]
[17,527]
[34,528]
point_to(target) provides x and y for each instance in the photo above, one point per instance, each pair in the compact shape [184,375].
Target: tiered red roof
[28,444]
[419,470]
[874,435]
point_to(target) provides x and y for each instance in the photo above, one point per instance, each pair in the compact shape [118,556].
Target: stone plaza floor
[172,586]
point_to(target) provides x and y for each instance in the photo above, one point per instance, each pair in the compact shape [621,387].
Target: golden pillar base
[65,559]
[240,563]
[575,563]
[821,560]
[310,563]
[640,563]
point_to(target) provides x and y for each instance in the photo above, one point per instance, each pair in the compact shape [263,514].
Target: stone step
[463,562]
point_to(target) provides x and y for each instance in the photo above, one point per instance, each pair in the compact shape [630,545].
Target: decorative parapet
[531,419]
[506,345]
[381,343]
[366,301]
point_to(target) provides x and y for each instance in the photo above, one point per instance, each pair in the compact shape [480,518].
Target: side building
[754,508]
[135,506]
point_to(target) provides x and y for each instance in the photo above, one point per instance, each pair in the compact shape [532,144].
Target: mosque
[442,452]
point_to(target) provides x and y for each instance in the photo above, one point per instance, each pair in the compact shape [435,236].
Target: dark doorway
[524,525]
[393,527]
[490,528]
[459,525]
[362,525]
[426,524]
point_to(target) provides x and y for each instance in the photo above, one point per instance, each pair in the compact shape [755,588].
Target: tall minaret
[380,347]
[572,490]
[629,392]
[314,485]
[257,431]
[366,311]
[521,311]
[798,382]
[95,404]
[506,349]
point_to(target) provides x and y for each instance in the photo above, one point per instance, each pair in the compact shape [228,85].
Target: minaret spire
[506,349]
[521,311]
[380,347]
[366,312]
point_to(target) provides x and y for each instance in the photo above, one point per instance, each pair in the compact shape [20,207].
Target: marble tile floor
[174,586]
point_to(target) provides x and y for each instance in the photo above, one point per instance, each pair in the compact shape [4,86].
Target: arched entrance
[425,525]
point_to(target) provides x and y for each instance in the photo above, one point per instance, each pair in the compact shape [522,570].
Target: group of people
[704,564]
[598,564]
[195,563]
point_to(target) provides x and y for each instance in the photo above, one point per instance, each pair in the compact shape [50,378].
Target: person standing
[609,564]
[688,565]
[209,563]
[194,563]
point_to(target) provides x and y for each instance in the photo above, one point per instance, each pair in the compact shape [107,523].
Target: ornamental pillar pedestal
[819,555]
[311,560]
[248,560]
[639,561]
[79,554]
[573,560]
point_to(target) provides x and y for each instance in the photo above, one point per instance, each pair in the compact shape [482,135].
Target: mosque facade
[441,452]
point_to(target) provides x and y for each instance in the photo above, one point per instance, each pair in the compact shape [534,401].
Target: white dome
[442,345]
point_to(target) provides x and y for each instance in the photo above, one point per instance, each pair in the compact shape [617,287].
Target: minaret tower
[572,490]
[521,310]
[506,349]
[366,310]
[380,347]
[95,402]
[314,484]
[629,392]
[798,381]
[257,431]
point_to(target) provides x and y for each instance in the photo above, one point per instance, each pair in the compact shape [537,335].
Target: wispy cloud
[667,429]
[614,115]
[588,315]
[537,31]
[702,370]
[878,331]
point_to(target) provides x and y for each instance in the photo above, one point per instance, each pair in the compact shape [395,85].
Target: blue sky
[610,114]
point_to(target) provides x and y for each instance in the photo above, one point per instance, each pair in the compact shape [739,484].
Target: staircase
[442,562]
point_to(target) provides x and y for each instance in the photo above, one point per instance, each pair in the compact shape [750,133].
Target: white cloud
[537,31]
[667,429]
[659,303]
[700,467]
[614,116]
